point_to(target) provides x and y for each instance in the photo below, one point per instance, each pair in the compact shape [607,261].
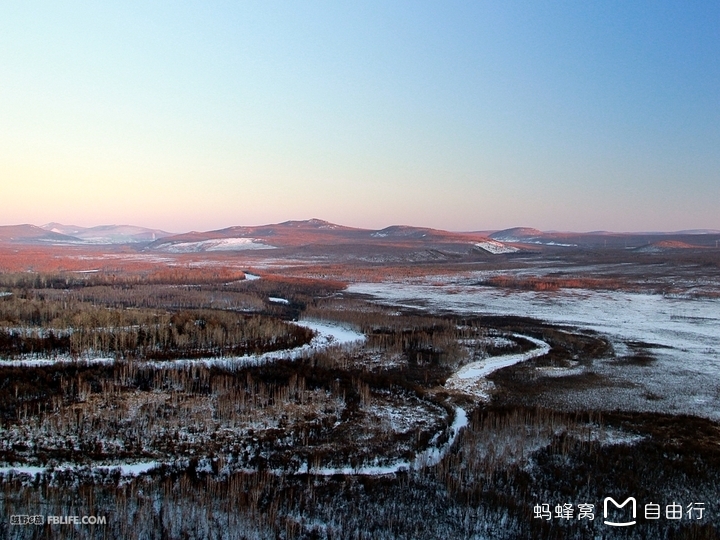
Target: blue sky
[462,116]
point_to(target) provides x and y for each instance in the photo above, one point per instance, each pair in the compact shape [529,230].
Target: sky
[482,115]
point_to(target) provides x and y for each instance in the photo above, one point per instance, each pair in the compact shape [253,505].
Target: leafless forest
[186,404]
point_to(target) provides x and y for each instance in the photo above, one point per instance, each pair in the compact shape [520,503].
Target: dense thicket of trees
[505,463]
[45,327]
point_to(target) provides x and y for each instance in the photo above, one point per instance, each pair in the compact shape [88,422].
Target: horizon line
[698,230]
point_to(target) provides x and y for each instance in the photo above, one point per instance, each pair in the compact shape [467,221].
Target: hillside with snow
[219,244]
[107,234]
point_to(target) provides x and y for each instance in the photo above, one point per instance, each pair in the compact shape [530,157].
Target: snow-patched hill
[317,234]
[664,245]
[517,234]
[107,234]
[31,234]
[218,244]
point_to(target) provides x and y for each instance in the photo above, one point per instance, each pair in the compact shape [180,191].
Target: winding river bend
[465,380]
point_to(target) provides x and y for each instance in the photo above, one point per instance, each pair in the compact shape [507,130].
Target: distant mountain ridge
[316,233]
[594,239]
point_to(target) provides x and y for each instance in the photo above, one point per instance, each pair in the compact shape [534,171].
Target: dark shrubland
[234,441]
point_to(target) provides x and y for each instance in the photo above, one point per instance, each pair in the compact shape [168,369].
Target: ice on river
[327,334]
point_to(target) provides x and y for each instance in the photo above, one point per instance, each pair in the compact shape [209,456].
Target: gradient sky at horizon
[456,115]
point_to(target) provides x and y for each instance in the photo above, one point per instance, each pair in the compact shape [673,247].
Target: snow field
[495,247]
[682,335]
[220,244]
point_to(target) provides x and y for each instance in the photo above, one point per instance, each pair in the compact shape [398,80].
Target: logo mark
[615,503]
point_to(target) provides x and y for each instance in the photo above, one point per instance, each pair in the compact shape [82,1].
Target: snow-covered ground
[332,334]
[219,244]
[432,455]
[126,469]
[61,359]
[495,247]
[683,335]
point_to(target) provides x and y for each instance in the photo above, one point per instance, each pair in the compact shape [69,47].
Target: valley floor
[466,401]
